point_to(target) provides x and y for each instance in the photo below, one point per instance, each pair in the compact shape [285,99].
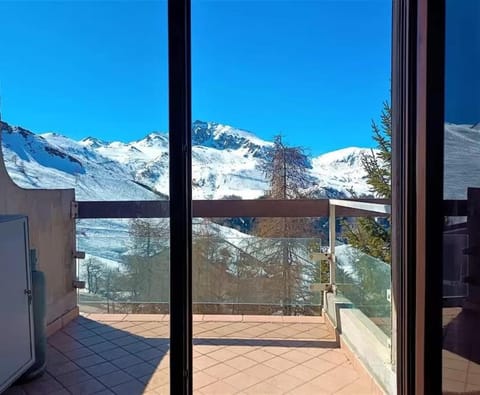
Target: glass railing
[126,269]
[366,282]
[126,266]
[360,303]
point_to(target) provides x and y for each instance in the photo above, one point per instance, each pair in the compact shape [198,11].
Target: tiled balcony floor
[129,354]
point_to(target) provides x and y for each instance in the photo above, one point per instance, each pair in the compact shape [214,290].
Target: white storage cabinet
[17,351]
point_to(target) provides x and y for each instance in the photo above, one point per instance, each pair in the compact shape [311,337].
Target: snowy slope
[342,171]
[54,161]
[462,160]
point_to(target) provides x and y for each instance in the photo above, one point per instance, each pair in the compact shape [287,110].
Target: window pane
[461,275]
[284,93]
[84,88]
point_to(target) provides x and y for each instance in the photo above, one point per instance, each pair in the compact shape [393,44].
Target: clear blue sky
[315,71]
[462,81]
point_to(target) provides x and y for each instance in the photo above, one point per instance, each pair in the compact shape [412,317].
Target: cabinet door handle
[28,292]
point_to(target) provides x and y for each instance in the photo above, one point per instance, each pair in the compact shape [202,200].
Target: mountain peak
[93,142]
[219,136]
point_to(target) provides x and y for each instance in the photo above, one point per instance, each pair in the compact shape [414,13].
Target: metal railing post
[331,239]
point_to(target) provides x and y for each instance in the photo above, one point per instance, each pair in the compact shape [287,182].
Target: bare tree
[287,170]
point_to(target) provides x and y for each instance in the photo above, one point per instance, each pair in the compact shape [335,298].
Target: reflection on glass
[461,254]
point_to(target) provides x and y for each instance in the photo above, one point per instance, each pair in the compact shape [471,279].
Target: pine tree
[377,164]
[370,235]
[286,169]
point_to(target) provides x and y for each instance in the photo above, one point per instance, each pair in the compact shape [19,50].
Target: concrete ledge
[62,321]
[365,342]
[359,365]
[352,356]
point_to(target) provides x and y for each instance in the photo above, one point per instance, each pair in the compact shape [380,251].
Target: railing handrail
[227,208]
[362,205]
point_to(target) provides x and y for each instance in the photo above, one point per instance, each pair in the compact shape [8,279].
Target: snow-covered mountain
[224,160]
[462,164]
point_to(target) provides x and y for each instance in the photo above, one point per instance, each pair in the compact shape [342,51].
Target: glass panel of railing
[256,275]
[365,282]
[126,269]
[126,266]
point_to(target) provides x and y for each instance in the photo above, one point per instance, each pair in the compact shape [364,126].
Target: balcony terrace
[129,354]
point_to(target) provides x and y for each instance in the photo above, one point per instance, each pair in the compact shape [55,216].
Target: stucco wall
[52,233]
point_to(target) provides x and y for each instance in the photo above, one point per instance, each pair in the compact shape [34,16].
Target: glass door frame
[180,143]
[417,191]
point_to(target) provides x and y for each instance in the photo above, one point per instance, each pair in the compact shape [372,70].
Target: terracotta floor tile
[86,387]
[16,390]
[101,369]
[124,340]
[308,389]
[472,388]
[140,370]
[137,347]
[241,381]
[296,356]
[114,378]
[285,381]
[473,379]
[204,362]
[156,380]
[41,387]
[361,386]
[220,371]
[202,379]
[219,388]
[79,353]
[335,356]
[241,363]
[336,378]
[63,391]
[70,345]
[90,341]
[259,355]
[303,373]
[113,354]
[127,361]
[62,368]
[263,388]
[316,351]
[279,363]
[103,392]
[132,387]
[103,346]
[277,350]
[453,386]
[241,349]
[319,365]
[455,375]
[73,378]
[90,360]
[222,355]
[261,371]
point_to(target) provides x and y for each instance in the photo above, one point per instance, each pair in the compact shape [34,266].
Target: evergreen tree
[368,234]
[377,164]
[286,169]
